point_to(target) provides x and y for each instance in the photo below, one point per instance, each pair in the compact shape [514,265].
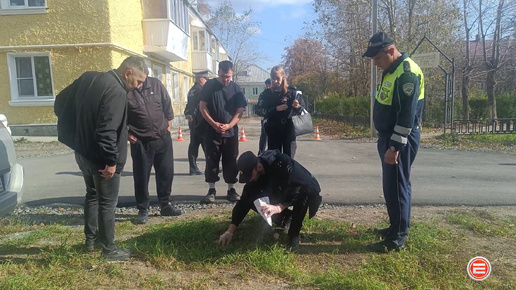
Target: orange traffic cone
[180,135]
[317,137]
[242,135]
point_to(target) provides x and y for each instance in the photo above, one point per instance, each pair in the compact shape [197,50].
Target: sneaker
[143,216]
[210,197]
[233,195]
[90,245]
[385,247]
[293,243]
[117,255]
[170,210]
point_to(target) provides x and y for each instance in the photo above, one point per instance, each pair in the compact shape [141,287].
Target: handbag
[303,123]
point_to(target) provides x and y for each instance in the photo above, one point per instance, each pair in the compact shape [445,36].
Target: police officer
[286,183]
[397,117]
[194,95]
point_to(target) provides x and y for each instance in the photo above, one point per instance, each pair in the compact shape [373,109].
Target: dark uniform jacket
[270,99]
[194,95]
[284,180]
[149,110]
[100,104]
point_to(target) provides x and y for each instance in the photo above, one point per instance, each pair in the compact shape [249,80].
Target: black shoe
[233,195]
[293,243]
[117,255]
[170,210]
[210,197]
[196,171]
[385,247]
[90,245]
[143,216]
[382,232]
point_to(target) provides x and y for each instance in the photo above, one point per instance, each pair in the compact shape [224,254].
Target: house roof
[252,74]
[507,47]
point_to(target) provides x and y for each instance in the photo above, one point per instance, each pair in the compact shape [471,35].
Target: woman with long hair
[277,105]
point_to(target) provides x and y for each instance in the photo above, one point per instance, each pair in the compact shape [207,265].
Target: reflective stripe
[399,139]
[402,130]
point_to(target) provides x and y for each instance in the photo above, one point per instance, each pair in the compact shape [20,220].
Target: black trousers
[193,147]
[281,137]
[160,154]
[221,147]
[100,203]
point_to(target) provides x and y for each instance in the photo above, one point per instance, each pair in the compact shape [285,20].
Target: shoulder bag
[303,123]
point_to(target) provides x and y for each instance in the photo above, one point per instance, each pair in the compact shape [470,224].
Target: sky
[281,22]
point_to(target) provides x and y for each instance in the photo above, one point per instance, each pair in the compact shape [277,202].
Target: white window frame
[255,91]
[7,9]
[186,82]
[175,86]
[16,100]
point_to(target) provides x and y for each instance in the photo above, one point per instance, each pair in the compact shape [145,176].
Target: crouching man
[286,183]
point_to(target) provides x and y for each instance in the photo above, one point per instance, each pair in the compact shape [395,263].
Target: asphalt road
[348,171]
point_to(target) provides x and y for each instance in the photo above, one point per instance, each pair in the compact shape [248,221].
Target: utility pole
[374,17]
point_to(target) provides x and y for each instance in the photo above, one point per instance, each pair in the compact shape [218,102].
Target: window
[30,77]
[480,85]
[255,91]
[185,87]
[175,84]
[243,91]
[153,9]
[22,7]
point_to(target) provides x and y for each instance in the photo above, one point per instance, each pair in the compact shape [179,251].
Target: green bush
[506,105]
[478,108]
[348,106]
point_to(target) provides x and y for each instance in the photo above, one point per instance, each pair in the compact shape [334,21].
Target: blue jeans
[100,204]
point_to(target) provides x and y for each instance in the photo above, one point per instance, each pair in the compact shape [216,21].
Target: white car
[3,119]
[11,173]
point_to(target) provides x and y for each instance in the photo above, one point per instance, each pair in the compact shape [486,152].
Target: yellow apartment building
[46,44]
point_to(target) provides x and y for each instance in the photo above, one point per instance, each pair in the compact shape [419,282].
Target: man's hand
[391,157]
[270,210]
[281,107]
[108,172]
[224,127]
[225,238]
[132,139]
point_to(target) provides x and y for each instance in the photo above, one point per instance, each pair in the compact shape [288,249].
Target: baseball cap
[376,43]
[268,81]
[245,165]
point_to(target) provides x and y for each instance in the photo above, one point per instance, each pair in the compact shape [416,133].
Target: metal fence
[352,120]
[496,126]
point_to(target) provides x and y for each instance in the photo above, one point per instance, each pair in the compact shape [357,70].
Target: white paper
[258,204]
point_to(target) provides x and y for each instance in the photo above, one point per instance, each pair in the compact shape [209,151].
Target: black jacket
[100,118]
[149,110]
[268,101]
[194,95]
[284,180]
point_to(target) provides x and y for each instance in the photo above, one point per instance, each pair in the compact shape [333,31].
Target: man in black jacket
[100,144]
[149,117]
[286,183]
[194,96]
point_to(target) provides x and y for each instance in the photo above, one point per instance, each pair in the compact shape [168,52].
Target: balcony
[201,61]
[163,38]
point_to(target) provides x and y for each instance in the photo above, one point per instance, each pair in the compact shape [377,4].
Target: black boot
[194,170]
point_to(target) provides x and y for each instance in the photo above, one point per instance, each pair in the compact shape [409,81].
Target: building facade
[51,43]
[252,81]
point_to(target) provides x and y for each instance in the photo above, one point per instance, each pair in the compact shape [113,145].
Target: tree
[235,31]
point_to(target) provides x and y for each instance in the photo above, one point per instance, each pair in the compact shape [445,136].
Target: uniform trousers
[193,147]
[218,147]
[281,137]
[397,188]
[100,203]
[158,153]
